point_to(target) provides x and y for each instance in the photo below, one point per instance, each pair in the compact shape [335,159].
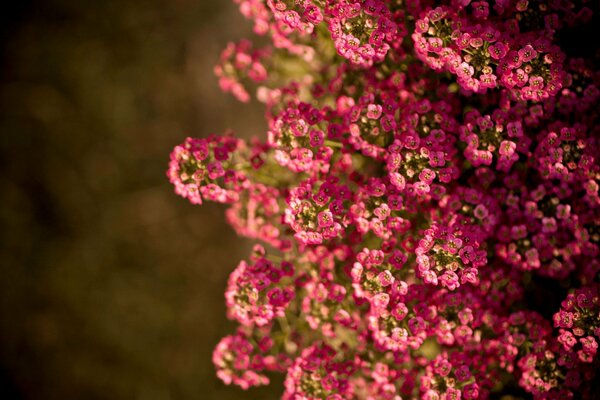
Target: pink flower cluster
[240,62]
[426,195]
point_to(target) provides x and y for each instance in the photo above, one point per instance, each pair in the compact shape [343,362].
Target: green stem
[331,143]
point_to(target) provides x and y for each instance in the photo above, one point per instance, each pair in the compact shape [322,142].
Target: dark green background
[111,287]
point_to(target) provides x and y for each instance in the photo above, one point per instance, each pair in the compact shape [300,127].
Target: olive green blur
[111,286]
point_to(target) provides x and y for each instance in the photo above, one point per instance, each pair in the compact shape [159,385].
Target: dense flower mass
[427,198]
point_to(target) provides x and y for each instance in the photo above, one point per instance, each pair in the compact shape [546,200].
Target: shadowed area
[112,286]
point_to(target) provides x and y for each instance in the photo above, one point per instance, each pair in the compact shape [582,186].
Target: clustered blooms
[427,198]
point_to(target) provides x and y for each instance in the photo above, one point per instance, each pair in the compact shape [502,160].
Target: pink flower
[465,70]
[449,280]
[380,300]
[385,278]
[427,173]
[507,148]
[527,54]
[563,319]
[325,219]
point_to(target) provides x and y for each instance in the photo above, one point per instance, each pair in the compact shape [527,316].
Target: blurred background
[111,287]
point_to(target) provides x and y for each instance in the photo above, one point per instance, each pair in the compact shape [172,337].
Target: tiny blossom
[238,361]
[200,168]
[579,320]
[251,295]
[428,188]
[239,61]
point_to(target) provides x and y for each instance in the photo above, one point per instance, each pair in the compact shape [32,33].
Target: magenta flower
[428,188]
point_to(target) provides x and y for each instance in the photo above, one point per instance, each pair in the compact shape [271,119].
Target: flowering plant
[426,199]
